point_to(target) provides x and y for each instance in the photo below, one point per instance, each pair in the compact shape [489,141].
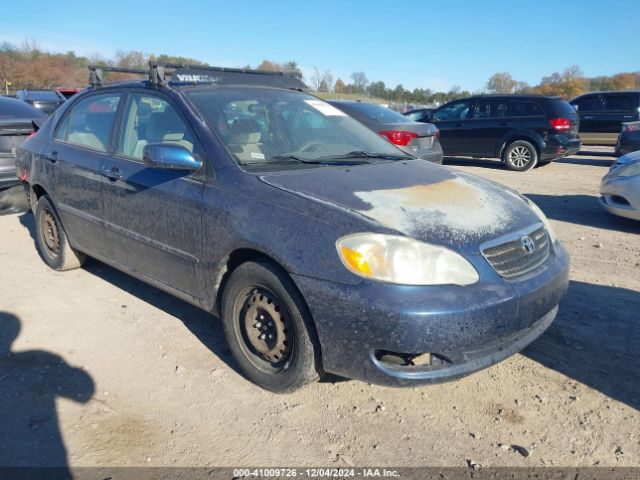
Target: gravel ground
[108,371]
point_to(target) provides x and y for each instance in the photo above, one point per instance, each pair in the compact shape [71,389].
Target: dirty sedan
[322,247]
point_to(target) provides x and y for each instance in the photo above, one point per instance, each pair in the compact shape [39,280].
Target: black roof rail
[95,73]
[200,74]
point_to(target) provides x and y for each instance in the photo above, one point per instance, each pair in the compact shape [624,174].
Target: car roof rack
[163,74]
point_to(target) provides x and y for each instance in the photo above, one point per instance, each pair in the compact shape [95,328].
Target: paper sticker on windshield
[258,156]
[325,108]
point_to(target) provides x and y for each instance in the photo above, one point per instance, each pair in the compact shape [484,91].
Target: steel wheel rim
[520,156]
[265,333]
[50,234]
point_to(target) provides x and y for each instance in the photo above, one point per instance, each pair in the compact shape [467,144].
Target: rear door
[73,163]
[616,108]
[153,216]
[489,123]
[452,119]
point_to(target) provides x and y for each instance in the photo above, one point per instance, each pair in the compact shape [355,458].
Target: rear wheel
[269,329]
[51,239]
[520,156]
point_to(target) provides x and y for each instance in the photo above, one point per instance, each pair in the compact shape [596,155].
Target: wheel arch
[532,137]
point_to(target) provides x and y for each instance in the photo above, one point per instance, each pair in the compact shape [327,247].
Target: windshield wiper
[319,161]
[365,154]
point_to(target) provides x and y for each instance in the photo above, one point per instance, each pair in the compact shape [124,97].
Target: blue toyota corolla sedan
[320,245]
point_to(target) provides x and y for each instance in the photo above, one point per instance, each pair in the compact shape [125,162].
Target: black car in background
[44,100]
[602,115]
[418,139]
[521,130]
[16,124]
[629,138]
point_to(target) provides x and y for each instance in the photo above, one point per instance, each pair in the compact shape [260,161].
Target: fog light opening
[419,360]
[620,200]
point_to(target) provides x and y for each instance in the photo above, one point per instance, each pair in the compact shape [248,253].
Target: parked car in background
[44,100]
[620,188]
[522,130]
[419,114]
[602,115]
[67,92]
[629,138]
[321,246]
[418,139]
[16,124]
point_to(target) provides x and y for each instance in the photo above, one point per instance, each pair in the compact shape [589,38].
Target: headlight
[404,261]
[628,170]
[545,221]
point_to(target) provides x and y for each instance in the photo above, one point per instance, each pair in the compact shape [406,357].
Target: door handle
[53,157]
[112,173]
[505,124]
[589,117]
[461,124]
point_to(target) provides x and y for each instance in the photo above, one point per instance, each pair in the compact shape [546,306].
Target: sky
[425,44]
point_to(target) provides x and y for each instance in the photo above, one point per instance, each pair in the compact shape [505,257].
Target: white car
[620,188]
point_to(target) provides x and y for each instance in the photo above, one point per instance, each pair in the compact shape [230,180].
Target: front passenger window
[453,111]
[90,122]
[150,119]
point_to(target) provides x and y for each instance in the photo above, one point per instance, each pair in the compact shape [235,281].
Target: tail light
[31,135]
[561,124]
[630,127]
[399,137]
[437,134]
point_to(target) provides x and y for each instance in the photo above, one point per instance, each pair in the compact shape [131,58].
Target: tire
[269,329]
[520,156]
[51,239]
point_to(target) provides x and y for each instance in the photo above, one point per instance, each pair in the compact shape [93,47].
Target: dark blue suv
[323,247]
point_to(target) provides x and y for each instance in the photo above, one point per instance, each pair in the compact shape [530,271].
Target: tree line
[28,66]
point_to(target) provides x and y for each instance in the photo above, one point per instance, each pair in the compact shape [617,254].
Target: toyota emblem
[528,245]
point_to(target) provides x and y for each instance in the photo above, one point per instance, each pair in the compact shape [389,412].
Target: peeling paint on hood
[456,204]
[419,199]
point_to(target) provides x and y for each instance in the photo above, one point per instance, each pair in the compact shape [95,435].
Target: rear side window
[43,96]
[490,108]
[618,103]
[564,109]
[587,104]
[525,109]
[90,121]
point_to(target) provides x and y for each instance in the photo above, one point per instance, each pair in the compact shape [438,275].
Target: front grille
[511,259]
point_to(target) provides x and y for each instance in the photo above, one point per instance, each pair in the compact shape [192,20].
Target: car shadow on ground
[30,383]
[594,162]
[494,163]
[582,210]
[595,340]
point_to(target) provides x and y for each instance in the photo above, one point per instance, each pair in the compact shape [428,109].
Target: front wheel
[520,156]
[269,329]
[51,239]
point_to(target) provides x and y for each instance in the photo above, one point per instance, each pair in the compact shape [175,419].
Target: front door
[451,120]
[154,216]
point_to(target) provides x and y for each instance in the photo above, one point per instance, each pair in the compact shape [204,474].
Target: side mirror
[170,156]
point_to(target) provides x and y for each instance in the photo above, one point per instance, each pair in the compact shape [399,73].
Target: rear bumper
[471,327]
[432,155]
[558,146]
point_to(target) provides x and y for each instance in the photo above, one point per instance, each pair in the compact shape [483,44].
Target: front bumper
[621,196]
[471,327]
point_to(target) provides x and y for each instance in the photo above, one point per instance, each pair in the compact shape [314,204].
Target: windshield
[276,130]
[378,113]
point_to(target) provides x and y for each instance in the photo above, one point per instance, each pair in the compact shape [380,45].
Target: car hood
[419,199]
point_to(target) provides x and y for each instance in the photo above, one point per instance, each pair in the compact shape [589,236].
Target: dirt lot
[118,373]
